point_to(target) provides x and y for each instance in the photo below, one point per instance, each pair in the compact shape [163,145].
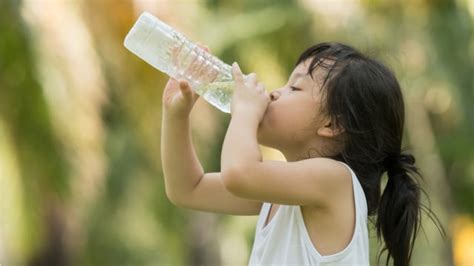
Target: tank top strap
[359,195]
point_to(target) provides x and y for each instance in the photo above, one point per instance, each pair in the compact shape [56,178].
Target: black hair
[363,96]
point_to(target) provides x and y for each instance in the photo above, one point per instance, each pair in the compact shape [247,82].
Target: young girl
[339,123]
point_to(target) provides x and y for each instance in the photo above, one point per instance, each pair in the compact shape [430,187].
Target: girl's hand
[249,96]
[178,97]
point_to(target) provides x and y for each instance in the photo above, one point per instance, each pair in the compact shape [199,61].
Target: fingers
[252,79]
[238,77]
[260,87]
[171,82]
[185,89]
[183,84]
[204,47]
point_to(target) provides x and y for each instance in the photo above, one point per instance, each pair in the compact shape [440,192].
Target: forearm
[181,167]
[240,148]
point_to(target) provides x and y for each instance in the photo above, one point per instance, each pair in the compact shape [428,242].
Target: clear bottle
[172,53]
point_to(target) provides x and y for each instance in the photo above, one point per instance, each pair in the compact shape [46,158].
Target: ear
[329,130]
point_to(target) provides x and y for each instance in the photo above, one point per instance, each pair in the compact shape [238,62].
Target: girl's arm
[240,147]
[313,181]
[316,181]
[186,184]
[181,167]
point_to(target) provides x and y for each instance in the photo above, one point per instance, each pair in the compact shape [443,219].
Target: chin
[265,140]
[264,133]
[260,136]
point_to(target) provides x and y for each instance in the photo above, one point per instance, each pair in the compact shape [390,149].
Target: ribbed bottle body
[172,53]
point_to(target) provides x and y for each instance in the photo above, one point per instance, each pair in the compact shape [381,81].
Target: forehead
[302,68]
[300,74]
[321,67]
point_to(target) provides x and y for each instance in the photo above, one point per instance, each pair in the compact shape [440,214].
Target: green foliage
[131,221]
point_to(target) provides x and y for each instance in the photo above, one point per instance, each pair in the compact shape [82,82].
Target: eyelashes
[294,88]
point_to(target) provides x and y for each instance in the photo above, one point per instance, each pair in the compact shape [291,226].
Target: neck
[310,151]
[299,155]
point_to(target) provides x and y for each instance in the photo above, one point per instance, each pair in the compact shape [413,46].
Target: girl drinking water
[339,123]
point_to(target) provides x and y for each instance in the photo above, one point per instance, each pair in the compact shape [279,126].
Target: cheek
[285,122]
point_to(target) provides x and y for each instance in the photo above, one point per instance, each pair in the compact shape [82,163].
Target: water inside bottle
[219,93]
[172,53]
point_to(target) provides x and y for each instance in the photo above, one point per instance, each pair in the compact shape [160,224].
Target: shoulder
[313,182]
[335,171]
[330,164]
[337,178]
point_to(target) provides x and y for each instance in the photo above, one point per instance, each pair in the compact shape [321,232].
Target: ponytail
[399,210]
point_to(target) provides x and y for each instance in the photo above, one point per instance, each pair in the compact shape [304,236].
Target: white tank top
[285,240]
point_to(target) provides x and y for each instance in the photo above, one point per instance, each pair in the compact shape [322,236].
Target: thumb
[185,89]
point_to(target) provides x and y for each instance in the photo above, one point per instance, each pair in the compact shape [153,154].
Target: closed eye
[294,88]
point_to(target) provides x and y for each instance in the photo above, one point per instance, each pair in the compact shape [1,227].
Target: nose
[274,95]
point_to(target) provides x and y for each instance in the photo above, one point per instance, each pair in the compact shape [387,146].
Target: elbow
[233,180]
[171,199]
[174,199]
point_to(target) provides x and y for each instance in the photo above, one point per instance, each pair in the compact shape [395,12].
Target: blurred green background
[80,116]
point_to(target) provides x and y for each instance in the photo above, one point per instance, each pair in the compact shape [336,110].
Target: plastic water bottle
[172,53]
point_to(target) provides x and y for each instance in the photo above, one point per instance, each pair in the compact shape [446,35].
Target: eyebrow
[298,75]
